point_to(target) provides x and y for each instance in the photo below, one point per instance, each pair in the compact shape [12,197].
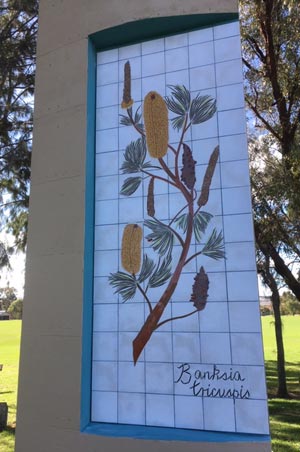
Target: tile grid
[222,215]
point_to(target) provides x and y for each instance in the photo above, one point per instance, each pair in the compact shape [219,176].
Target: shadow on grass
[292,378]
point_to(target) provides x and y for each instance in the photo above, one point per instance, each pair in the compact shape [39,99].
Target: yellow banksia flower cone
[131,248]
[156,124]
[127,101]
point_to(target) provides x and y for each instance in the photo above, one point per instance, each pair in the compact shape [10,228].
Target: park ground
[284,414]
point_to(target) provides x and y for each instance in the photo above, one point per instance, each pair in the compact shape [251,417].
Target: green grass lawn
[284,414]
[10,332]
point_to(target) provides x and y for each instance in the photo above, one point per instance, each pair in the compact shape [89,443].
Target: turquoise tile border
[119,36]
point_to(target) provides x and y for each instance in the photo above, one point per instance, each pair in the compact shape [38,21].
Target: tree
[18,29]
[16,309]
[271,60]
[7,296]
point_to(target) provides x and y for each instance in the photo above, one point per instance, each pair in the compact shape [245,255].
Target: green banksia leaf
[156,124]
[130,185]
[200,290]
[127,101]
[124,284]
[131,248]
[203,198]
[188,176]
[150,198]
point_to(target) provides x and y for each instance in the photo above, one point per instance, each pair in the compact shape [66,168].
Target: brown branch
[176,318]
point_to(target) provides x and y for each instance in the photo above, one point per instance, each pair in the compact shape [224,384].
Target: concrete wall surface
[50,369]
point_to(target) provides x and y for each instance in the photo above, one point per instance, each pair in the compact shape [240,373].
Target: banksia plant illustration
[131,248]
[187,226]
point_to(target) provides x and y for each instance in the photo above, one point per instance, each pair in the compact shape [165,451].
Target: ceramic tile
[235,174]
[202,35]
[104,407]
[244,317]
[240,256]
[127,134]
[186,347]
[200,173]
[106,118]
[254,381]
[208,129]
[108,56]
[247,348]
[131,316]
[201,54]
[203,148]
[230,97]
[156,45]
[209,264]
[105,317]
[106,237]
[107,95]
[103,291]
[125,346]
[130,212]
[159,348]
[135,69]
[219,414]
[202,78]
[227,49]
[238,228]
[159,410]
[159,378]
[215,348]
[232,122]
[154,83]
[178,78]
[130,51]
[107,164]
[214,204]
[131,408]
[104,376]
[252,416]
[105,347]
[233,147]
[229,72]
[177,59]
[104,261]
[172,42]
[225,30]
[107,140]
[236,200]
[107,73]
[242,286]
[131,377]
[188,412]
[187,324]
[153,64]
[107,187]
[214,318]
[217,287]
[106,212]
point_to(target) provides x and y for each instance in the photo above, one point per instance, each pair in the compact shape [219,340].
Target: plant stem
[176,318]
[173,231]
[159,177]
[145,296]
[192,257]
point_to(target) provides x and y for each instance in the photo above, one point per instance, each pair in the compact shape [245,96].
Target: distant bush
[15,310]
[265,310]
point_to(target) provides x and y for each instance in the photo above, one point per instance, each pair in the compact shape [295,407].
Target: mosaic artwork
[176,326]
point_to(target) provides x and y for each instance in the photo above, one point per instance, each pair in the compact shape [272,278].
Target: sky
[14,277]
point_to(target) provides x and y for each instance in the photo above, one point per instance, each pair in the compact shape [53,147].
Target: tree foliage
[18,29]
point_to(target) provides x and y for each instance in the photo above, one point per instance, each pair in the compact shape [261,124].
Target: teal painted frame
[119,36]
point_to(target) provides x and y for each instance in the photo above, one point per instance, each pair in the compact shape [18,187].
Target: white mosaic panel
[204,371]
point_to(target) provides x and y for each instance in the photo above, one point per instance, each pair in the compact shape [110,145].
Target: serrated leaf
[162,272]
[201,220]
[182,221]
[130,185]
[214,246]
[202,109]
[125,121]
[147,268]
[161,238]
[124,284]
[178,103]
[134,156]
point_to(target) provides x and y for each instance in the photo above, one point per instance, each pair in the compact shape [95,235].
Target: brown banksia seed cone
[127,101]
[203,198]
[156,124]
[150,198]
[200,290]
[131,248]
[188,175]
